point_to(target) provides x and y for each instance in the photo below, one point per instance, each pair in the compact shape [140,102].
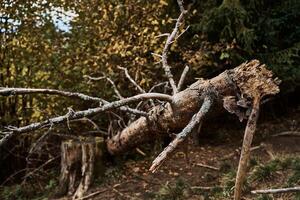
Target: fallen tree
[239,91]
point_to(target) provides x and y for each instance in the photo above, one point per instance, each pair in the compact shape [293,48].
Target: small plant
[12,193]
[175,192]
[264,197]
[266,172]
[51,185]
[228,181]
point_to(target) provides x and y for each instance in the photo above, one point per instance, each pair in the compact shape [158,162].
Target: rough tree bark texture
[174,116]
[78,155]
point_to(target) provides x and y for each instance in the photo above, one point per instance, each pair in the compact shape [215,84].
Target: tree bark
[175,115]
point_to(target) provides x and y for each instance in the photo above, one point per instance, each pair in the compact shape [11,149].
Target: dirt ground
[207,171]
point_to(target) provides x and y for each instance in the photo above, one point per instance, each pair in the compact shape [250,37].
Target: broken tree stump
[78,161]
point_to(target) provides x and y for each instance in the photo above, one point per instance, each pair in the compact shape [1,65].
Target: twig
[140,151]
[121,194]
[115,88]
[157,55]
[201,188]
[94,194]
[275,191]
[287,133]
[94,78]
[162,35]
[180,4]
[40,167]
[142,91]
[157,85]
[238,152]
[14,174]
[180,34]
[131,80]
[182,78]
[207,166]
[100,191]
[38,143]
[196,119]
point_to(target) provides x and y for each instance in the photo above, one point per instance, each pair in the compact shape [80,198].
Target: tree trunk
[174,116]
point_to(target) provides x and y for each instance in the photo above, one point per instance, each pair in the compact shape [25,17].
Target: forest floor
[208,171]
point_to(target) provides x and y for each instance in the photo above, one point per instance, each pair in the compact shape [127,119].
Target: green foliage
[265,172]
[294,179]
[173,192]
[262,29]
[11,193]
[264,197]
[51,185]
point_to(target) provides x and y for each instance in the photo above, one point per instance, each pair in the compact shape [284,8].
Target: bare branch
[171,38]
[180,4]
[287,133]
[162,35]
[276,191]
[180,34]
[158,85]
[142,91]
[131,80]
[94,78]
[115,88]
[84,113]
[196,119]
[134,111]
[37,145]
[182,78]
[207,166]
[155,54]
[17,91]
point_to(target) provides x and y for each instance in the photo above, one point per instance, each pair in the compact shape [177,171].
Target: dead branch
[114,88]
[38,169]
[207,166]
[142,91]
[276,191]
[18,91]
[196,119]
[287,133]
[171,38]
[80,114]
[182,78]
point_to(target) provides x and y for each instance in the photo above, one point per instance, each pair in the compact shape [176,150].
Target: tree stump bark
[78,159]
